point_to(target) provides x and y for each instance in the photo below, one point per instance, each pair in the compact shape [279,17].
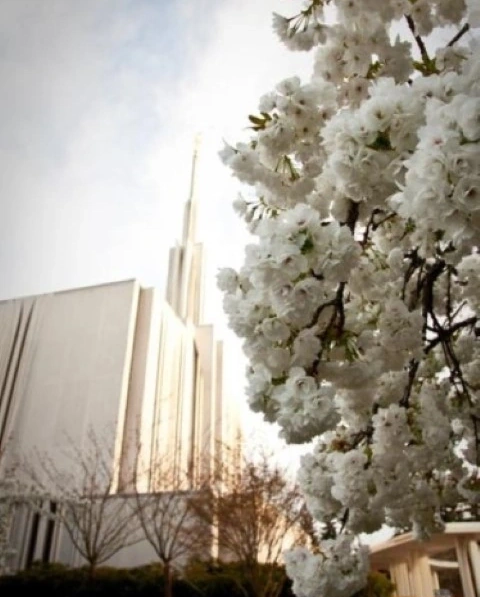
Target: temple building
[121,362]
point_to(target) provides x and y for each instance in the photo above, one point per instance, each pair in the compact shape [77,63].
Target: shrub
[200,579]
[378,585]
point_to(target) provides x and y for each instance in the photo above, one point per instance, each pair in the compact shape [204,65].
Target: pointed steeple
[185,273]
[190,213]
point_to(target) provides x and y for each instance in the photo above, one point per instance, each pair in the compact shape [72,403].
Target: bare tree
[12,493]
[168,517]
[6,511]
[259,512]
[97,515]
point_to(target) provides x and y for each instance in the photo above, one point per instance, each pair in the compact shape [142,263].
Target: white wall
[73,371]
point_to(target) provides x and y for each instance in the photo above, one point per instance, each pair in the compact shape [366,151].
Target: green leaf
[426,67]
[256,119]
[307,246]
[382,142]
[373,69]
[409,226]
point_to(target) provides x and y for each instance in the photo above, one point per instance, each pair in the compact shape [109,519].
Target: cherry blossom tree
[358,298]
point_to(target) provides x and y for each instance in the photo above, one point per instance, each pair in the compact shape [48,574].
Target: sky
[100,104]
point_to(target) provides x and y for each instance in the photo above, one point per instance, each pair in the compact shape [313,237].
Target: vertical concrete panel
[461,547]
[137,432]
[79,352]
[474,553]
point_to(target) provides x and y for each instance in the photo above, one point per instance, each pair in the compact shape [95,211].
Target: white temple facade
[119,361]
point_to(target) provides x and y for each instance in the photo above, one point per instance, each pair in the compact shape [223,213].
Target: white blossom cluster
[332,572]
[358,301]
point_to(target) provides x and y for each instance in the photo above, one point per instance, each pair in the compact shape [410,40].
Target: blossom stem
[460,34]
[412,372]
[419,40]
[352,216]
[344,520]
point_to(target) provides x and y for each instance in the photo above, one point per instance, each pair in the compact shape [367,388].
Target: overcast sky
[100,103]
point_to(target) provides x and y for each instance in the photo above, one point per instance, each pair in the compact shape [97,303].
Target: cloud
[79,113]
[100,106]
[53,63]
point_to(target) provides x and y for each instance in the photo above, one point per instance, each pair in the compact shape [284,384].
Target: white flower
[467,194]
[227,279]
[277,360]
[280,25]
[377,112]
[259,381]
[356,61]
[399,328]
[301,218]
[306,348]
[275,329]
[468,116]
[421,14]
[469,276]
[340,569]
[267,102]
[357,89]
[288,86]
[240,206]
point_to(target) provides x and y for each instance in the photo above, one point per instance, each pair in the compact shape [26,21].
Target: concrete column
[423,585]
[401,578]
[464,568]
[416,576]
[426,575]
[474,553]
[436,582]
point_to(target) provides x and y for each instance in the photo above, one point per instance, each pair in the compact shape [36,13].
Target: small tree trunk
[91,569]
[167,579]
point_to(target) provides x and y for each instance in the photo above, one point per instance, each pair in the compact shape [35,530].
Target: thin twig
[370,224]
[412,372]
[418,39]
[460,34]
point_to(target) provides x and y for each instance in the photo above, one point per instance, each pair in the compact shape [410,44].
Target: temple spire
[190,214]
[185,274]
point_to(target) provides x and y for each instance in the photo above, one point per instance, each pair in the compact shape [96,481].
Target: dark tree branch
[445,334]
[412,372]
[418,40]
[352,216]
[459,35]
